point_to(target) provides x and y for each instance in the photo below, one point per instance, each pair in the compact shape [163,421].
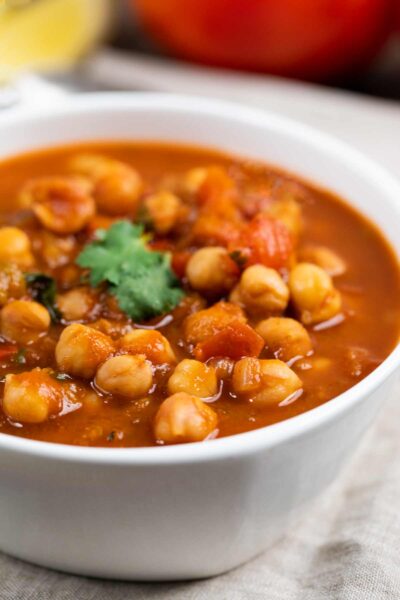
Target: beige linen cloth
[347,546]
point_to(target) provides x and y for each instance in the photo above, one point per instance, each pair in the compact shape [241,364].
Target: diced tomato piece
[255,202]
[219,219]
[218,195]
[161,245]
[7,351]
[204,324]
[265,241]
[234,341]
[214,230]
[179,262]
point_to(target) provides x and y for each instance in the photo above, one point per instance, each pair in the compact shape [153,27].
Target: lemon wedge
[48,34]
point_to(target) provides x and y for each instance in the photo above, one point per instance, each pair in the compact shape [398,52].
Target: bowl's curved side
[177,521]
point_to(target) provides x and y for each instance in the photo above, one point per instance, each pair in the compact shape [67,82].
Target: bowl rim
[241,444]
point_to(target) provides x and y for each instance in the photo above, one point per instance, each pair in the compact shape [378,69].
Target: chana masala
[156,294]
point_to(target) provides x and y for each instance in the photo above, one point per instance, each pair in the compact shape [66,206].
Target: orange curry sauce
[345,350]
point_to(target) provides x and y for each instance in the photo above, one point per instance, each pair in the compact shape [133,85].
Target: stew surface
[157,294]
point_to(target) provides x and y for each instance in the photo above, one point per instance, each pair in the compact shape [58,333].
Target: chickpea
[261,291]
[31,397]
[211,271]
[56,251]
[149,342]
[15,247]
[195,378]
[235,296]
[217,189]
[288,212]
[247,376]
[223,367]
[280,382]
[81,349]
[164,210]
[184,418]
[76,304]
[90,165]
[117,185]
[203,324]
[286,338]
[313,294]
[265,382]
[61,204]
[24,321]
[112,328]
[125,375]
[91,402]
[194,179]
[118,192]
[325,258]
[12,283]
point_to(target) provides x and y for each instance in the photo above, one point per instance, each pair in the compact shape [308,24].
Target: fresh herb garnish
[43,289]
[141,280]
[20,357]
[238,258]
[111,436]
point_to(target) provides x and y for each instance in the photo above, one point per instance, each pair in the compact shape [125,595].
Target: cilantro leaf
[43,289]
[110,255]
[141,280]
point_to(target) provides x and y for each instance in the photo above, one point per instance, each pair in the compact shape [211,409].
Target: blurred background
[347,44]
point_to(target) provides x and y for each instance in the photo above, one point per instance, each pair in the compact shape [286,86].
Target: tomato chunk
[264,241]
[234,341]
[214,230]
[219,219]
[201,325]
[179,261]
[161,245]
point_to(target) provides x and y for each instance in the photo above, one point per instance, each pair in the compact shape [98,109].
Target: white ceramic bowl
[198,509]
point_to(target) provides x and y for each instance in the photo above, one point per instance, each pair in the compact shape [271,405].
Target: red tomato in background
[264,241]
[313,39]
